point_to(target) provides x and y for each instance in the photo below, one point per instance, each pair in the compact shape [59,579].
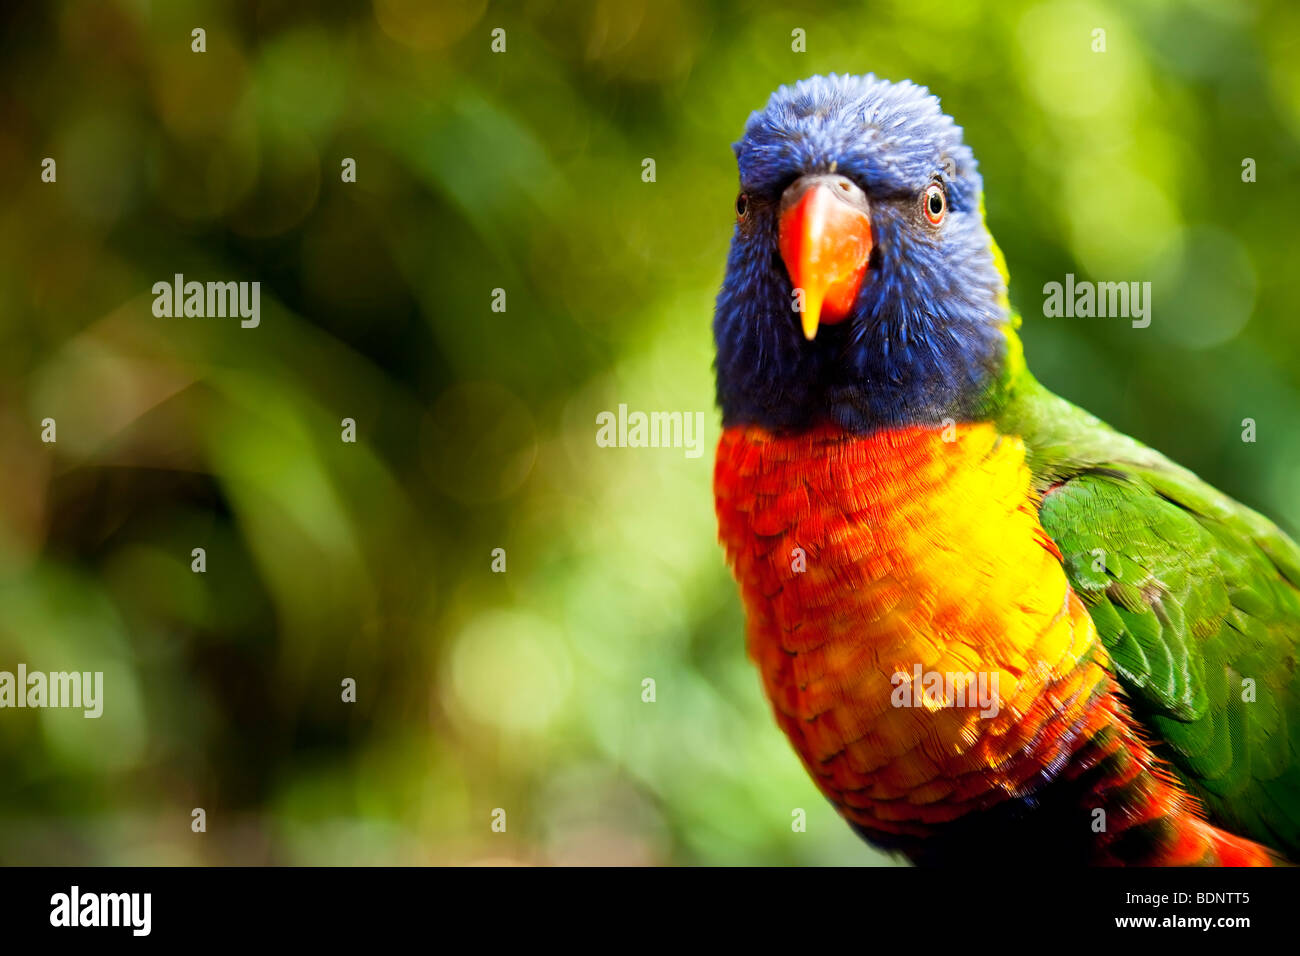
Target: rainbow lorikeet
[988,622]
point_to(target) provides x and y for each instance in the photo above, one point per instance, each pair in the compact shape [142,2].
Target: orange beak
[825,242]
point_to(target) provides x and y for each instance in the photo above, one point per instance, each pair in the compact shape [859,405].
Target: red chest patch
[866,562]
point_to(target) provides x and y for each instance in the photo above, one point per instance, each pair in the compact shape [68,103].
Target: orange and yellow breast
[911,551]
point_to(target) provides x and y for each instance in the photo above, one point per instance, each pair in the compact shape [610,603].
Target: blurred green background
[476,429]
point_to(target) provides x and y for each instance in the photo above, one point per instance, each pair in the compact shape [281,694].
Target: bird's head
[862,288]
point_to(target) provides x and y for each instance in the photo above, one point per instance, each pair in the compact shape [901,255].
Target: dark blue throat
[925,342]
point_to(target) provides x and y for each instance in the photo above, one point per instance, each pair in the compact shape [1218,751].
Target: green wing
[1197,599]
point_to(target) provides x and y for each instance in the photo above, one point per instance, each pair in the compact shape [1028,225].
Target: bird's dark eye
[742,206]
[935,203]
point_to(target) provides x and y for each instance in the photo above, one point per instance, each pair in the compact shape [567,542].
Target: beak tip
[809,326]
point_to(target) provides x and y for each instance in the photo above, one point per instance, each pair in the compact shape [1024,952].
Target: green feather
[1196,597]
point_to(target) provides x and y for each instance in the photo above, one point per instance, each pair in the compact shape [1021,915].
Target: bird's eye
[742,206]
[934,203]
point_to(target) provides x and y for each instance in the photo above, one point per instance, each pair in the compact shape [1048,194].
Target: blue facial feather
[924,341]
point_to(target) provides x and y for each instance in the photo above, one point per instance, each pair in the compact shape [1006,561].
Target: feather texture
[921,552]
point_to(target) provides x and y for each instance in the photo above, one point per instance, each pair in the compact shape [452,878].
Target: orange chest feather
[863,558]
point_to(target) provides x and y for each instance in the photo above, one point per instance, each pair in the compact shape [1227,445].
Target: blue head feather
[925,339]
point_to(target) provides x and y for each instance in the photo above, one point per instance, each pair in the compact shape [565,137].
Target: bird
[992,626]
